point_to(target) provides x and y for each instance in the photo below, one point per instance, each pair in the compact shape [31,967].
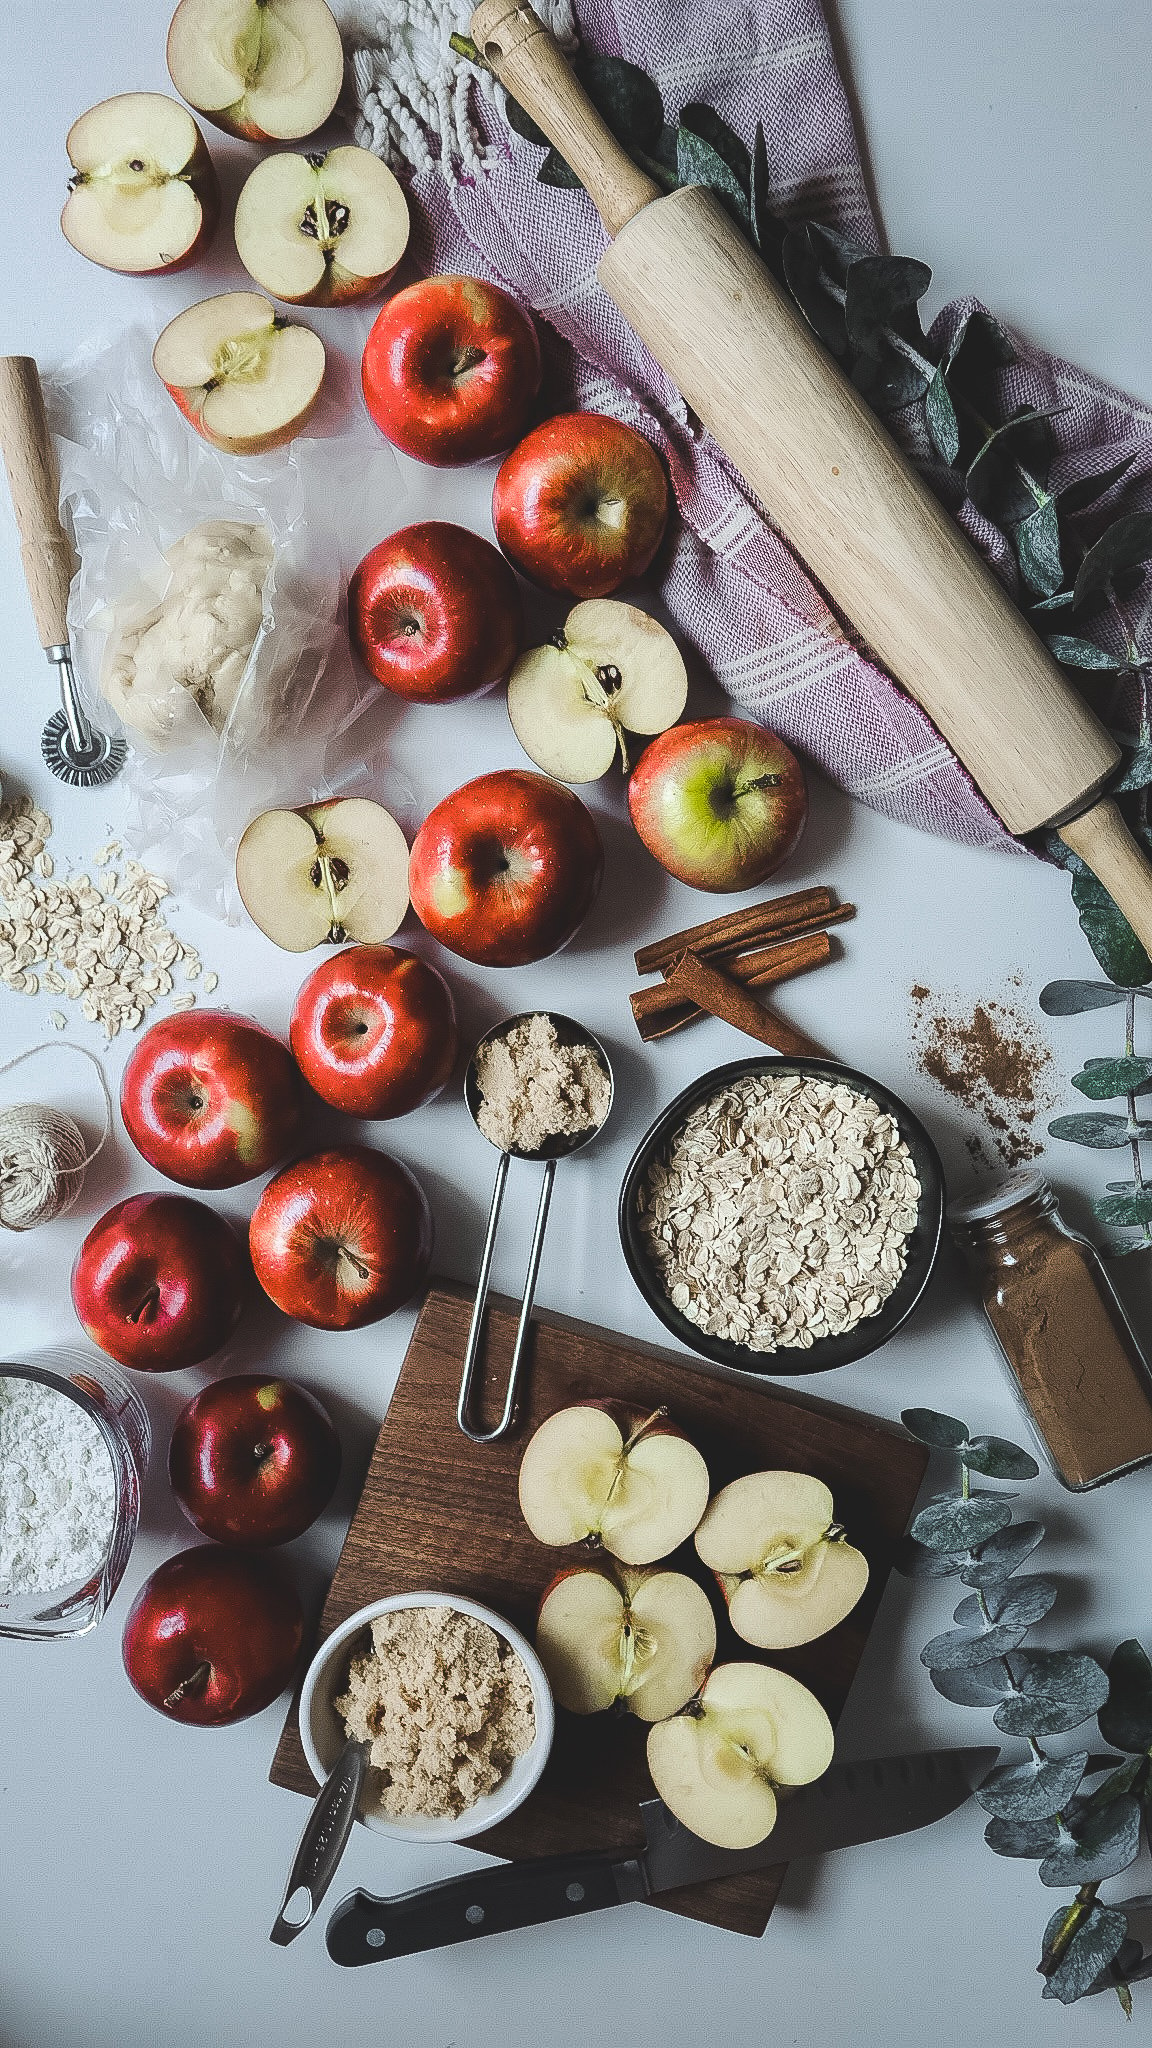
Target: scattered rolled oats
[780,1211]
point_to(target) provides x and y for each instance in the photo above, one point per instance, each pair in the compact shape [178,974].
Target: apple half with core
[581,504]
[266,70]
[240,373]
[253,1461]
[609,669]
[321,230]
[159,1282]
[451,370]
[374,1031]
[505,870]
[210,1099]
[716,1766]
[630,1484]
[332,871]
[720,803]
[783,1564]
[644,1640]
[213,1636]
[341,1238]
[143,196]
[434,611]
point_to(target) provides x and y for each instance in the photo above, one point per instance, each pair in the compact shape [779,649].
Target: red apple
[211,1099]
[160,1282]
[719,803]
[434,612]
[213,1636]
[374,1031]
[451,370]
[581,504]
[253,1461]
[342,1238]
[506,869]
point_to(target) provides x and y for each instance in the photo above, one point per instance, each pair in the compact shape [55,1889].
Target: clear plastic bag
[305,724]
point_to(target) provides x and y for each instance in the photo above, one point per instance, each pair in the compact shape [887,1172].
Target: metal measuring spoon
[553,1149]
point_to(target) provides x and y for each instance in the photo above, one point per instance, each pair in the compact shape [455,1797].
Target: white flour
[57,1490]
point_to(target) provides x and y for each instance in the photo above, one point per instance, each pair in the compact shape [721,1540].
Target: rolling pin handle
[30,460]
[1104,843]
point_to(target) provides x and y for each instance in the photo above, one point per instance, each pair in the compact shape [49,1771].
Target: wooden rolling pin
[832,478]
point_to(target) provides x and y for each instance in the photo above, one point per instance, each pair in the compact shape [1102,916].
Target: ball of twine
[44,1154]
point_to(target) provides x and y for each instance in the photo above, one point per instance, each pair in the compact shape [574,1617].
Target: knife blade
[851,1803]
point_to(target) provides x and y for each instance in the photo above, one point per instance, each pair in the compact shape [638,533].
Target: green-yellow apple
[720,803]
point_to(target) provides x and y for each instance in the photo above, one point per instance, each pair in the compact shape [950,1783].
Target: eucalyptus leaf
[980,349]
[915,1560]
[1106,1843]
[1124,1212]
[995,1458]
[1092,1948]
[1003,1554]
[1015,1601]
[1126,544]
[1076,497]
[1005,478]
[881,293]
[1076,652]
[929,1426]
[1123,1779]
[698,163]
[1125,1719]
[712,128]
[1095,1127]
[767,228]
[1032,1790]
[1103,1080]
[1060,601]
[1057,1691]
[1110,936]
[976,1685]
[940,415]
[890,379]
[1136,773]
[521,123]
[951,1523]
[1069,998]
[958,1649]
[1037,542]
[1023,1837]
[807,274]
[554,171]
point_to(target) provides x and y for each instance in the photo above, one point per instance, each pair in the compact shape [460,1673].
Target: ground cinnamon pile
[991,1059]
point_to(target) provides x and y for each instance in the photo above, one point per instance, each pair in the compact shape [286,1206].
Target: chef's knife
[852,1802]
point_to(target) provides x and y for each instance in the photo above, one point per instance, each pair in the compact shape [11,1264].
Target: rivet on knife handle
[324,1839]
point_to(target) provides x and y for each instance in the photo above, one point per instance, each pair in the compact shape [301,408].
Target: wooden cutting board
[439,1512]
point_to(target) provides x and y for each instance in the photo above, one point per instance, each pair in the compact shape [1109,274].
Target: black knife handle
[364,1929]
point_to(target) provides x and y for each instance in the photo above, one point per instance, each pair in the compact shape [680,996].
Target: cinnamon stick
[659,1009]
[697,981]
[739,928]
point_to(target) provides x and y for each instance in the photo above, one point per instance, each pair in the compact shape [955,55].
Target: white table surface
[141,1862]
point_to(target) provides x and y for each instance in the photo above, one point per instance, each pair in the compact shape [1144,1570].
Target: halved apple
[783,1563]
[632,1485]
[269,70]
[321,230]
[241,374]
[144,195]
[716,1766]
[610,669]
[645,1639]
[332,871]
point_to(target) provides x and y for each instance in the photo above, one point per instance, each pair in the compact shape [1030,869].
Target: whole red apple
[719,803]
[581,504]
[160,1282]
[211,1099]
[434,611]
[253,1461]
[341,1238]
[374,1031]
[451,370]
[213,1636]
[506,869]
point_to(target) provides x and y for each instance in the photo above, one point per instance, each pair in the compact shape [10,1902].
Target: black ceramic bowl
[825,1352]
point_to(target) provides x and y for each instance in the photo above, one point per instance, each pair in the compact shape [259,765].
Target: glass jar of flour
[74,1444]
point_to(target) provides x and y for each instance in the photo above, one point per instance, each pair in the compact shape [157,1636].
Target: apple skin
[238,1615]
[253,1461]
[434,611]
[694,801]
[342,1238]
[505,870]
[211,1099]
[160,1282]
[374,1031]
[553,490]
[451,370]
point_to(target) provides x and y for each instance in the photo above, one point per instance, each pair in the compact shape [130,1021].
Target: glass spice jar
[1083,1379]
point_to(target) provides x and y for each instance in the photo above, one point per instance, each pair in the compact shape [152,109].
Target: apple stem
[195,1682]
[143,1312]
[642,1428]
[359,1268]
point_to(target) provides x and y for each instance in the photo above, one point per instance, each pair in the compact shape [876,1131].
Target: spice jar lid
[1001,1194]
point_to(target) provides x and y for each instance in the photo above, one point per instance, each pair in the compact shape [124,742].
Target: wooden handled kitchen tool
[832,479]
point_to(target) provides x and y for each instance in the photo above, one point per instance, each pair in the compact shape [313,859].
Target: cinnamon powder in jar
[1078,1367]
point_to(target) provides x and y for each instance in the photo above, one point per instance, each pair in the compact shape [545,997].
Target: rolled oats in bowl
[777,1213]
